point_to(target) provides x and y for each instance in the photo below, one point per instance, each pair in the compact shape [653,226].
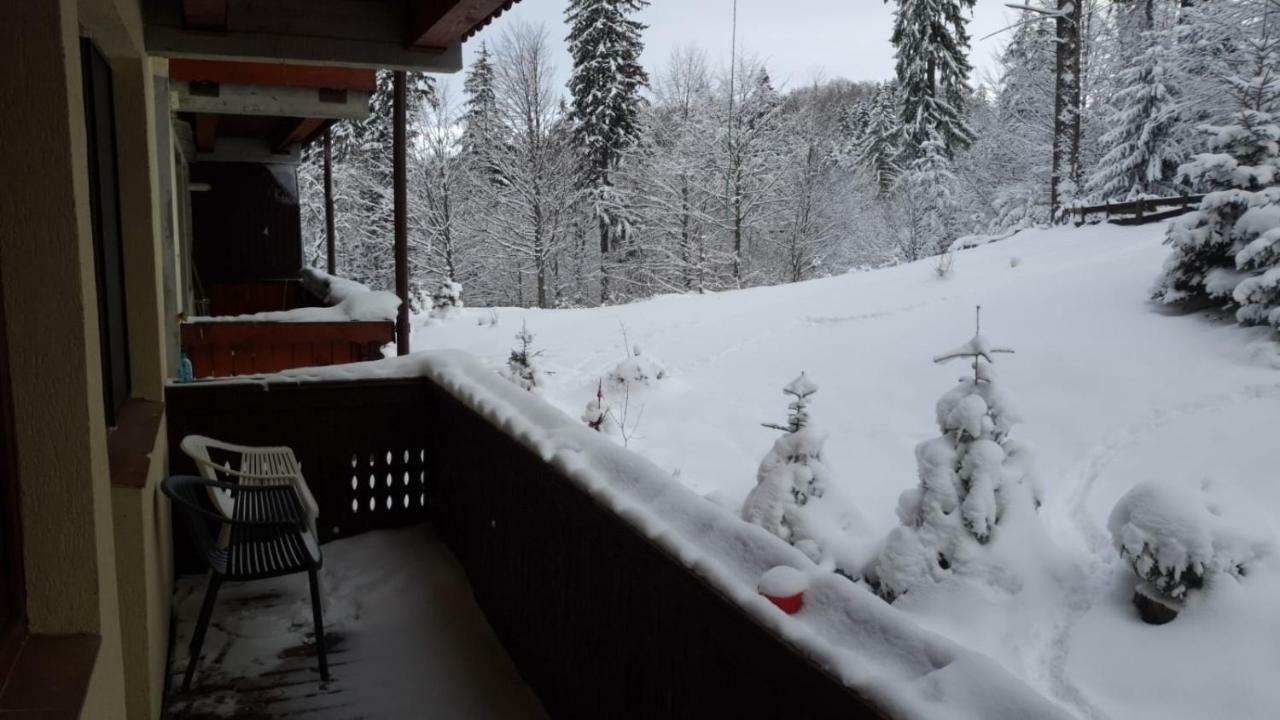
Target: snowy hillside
[1114,390]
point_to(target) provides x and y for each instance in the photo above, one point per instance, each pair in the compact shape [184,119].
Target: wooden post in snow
[328,203]
[398,182]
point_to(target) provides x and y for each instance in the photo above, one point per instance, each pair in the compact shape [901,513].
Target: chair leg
[318,618]
[202,625]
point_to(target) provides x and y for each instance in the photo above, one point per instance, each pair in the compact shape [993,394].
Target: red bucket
[790,604]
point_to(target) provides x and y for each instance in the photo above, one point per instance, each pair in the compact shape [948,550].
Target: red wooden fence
[223,349]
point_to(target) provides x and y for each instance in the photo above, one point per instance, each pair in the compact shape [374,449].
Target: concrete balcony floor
[404,634]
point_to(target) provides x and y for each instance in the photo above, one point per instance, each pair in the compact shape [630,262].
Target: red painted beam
[206,131]
[205,15]
[440,24]
[274,74]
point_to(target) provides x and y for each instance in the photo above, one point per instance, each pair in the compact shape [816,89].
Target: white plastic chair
[249,466]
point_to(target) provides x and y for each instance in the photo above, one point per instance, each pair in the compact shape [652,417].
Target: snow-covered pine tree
[1020,139]
[1141,147]
[480,113]
[882,144]
[929,204]
[1227,250]
[971,475]
[605,84]
[522,368]
[446,301]
[932,43]
[793,473]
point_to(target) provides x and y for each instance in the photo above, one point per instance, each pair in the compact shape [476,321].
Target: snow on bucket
[784,586]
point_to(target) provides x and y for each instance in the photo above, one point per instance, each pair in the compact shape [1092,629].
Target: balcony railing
[599,619]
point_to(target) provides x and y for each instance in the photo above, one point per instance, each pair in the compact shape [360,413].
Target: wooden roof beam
[437,24]
[273,74]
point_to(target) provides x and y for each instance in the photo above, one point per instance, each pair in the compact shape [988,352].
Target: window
[104,204]
[12,595]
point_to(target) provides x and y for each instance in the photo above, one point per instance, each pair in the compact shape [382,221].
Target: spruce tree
[883,139]
[792,473]
[930,191]
[605,84]
[932,43]
[970,477]
[480,116]
[1141,148]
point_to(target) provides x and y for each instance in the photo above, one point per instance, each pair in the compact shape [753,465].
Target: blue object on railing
[186,373]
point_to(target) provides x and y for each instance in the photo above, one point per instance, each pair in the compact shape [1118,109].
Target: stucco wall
[46,265]
[144,553]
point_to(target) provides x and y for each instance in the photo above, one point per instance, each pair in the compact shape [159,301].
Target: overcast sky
[797,39]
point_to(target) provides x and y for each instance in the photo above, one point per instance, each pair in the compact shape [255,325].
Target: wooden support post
[398,182]
[328,203]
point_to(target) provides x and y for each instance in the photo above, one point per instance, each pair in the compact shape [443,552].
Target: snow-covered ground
[1114,389]
[405,639]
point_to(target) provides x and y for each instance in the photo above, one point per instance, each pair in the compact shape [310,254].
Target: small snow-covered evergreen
[792,473]
[521,367]
[636,370]
[446,301]
[1175,538]
[970,475]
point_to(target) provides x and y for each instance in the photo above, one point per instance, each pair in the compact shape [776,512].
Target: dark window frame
[13,595]
[108,237]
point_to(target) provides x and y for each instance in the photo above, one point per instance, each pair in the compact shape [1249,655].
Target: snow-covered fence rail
[1137,212]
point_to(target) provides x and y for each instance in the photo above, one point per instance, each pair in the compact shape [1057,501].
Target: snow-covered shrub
[943,264]
[521,366]
[1229,249]
[792,472]
[446,301]
[970,476]
[636,370]
[1175,537]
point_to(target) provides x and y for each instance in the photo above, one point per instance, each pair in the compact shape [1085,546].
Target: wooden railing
[226,348]
[599,621]
[1138,212]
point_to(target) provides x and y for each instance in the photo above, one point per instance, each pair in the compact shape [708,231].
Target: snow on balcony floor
[405,639]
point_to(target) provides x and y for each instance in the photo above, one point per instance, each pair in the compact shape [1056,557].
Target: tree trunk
[1066,102]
